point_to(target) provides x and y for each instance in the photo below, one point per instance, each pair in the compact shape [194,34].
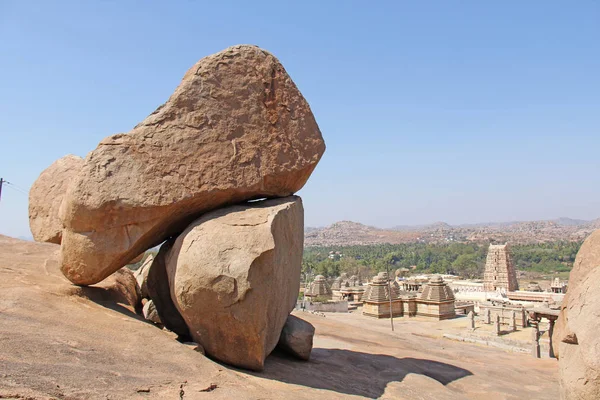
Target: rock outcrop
[235,277]
[575,338]
[46,195]
[297,337]
[235,129]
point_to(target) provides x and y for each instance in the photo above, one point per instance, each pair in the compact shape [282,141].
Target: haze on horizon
[462,113]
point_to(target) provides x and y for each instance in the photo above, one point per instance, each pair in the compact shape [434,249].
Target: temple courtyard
[58,341]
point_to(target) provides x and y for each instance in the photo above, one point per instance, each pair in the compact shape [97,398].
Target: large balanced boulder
[297,337]
[236,128]
[46,195]
[575,338]
[235,276]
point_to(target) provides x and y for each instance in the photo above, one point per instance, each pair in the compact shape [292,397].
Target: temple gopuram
[499,270]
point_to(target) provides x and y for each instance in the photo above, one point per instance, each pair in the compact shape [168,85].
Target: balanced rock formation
[46,196]
[575,338]
[235,276]
[237,128]
[297,337]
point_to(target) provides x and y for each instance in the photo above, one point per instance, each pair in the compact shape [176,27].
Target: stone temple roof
[379,290]
[319,287]
[436,290]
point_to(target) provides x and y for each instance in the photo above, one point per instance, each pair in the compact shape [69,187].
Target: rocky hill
[352,233]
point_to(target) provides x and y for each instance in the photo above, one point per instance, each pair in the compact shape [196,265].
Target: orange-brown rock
[46,195]
[236,128]
[575,338]
[297,337]
[235,277]
[587,259]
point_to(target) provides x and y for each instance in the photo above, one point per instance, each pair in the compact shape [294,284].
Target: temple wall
[436,310]
[330,306]
[409,307]
[382,310]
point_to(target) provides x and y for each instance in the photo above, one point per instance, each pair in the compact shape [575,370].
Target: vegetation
[464,259]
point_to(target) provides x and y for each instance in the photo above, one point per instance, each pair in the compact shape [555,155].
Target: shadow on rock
[354,373]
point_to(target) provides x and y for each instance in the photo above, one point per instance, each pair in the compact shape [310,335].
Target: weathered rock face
[235,276]
[46,196]
[157,285]
[588,258]
[575,337]
[141,276]
[235,129]
[297,337]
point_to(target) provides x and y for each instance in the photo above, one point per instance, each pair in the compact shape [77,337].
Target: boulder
[46,195]
[575,338]
[120,287]
[141,276]
[588,258]
[236,128]
[235,277]
[579,363]
[150,313]
[297,337]
[157,284]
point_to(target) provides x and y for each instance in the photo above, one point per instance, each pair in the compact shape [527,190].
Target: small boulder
[235,276]
[236,128]
[141,276]
[157,284]
[150,313]
[297,337]
[46,195]
[120,288]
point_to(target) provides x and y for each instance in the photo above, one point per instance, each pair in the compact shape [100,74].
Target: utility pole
[1,183]
[387,268]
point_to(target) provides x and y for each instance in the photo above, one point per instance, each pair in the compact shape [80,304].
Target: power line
[16,188]
[4,182]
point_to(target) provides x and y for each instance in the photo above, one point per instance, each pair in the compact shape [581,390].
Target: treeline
[464,259]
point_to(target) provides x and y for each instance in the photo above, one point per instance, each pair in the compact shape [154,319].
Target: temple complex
[435,301]
[499,270]
[319,288]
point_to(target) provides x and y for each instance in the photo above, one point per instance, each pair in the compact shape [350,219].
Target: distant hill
[354,233]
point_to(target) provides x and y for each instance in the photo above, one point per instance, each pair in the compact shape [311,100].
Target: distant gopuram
[499,270]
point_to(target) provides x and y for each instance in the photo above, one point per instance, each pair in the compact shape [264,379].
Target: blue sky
[456,111]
